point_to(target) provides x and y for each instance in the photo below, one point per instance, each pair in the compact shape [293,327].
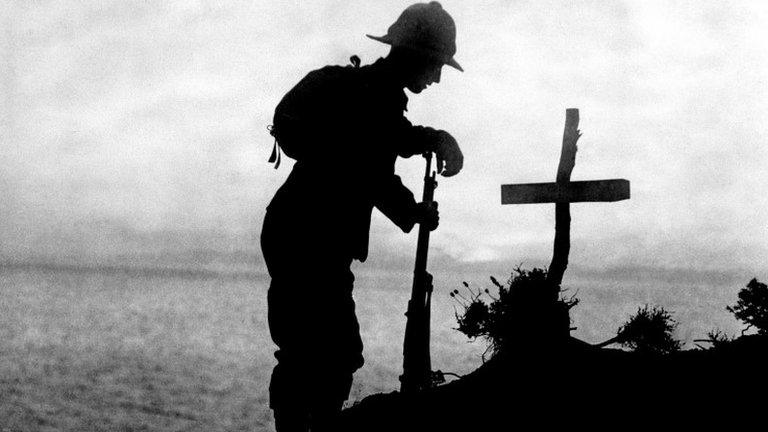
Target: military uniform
[350,126]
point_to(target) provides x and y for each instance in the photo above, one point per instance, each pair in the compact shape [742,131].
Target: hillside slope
[578,384]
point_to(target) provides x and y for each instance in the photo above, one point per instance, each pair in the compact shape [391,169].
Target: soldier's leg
[312,321]
[319,343]
[326,408]
[288,388]
[338,353]
[291,420]
[287,391]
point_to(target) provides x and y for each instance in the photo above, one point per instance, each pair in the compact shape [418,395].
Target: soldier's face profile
[425,75]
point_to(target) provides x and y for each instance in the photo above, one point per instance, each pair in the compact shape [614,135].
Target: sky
[138,129]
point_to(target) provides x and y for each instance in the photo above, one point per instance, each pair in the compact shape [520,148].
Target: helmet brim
[385,39]
[453,63]
[382,39]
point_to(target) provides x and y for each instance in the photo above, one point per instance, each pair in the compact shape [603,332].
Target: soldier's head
[423,39]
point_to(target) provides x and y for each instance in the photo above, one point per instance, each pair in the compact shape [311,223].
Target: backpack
[303,113]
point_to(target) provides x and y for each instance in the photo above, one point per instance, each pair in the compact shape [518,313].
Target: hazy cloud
[151,116]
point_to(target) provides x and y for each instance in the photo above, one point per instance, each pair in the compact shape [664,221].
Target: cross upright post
[562,193]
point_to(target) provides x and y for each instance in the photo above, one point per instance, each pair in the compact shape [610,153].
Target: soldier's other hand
[450,160]
[427,215]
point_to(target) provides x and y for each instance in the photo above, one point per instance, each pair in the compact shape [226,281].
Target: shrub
[752,307]
[649,331]
[527,309]
[718,338]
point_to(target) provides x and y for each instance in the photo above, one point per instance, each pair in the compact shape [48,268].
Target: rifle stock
[417,367]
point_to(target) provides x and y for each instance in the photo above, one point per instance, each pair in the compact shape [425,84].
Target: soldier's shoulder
[333,74]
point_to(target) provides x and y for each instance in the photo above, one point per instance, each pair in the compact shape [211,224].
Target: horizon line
[159,271]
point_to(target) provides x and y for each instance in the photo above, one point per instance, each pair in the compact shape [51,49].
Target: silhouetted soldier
[345,127]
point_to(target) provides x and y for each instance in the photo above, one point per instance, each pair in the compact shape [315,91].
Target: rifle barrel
[417,367]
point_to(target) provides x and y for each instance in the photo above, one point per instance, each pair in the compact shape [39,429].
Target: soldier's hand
[450,160]
[427,215]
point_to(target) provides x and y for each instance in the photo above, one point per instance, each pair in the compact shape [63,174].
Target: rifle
[417,368]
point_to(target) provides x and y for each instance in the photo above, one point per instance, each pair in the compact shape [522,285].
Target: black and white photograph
[487,215]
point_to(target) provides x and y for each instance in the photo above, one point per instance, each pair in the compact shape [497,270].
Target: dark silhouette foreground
[345,127]
[539,376]
[578,384]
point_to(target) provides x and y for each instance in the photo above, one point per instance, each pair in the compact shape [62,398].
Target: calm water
[60,323]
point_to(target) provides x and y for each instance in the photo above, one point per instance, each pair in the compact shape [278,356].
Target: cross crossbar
[579,191]
[563,192]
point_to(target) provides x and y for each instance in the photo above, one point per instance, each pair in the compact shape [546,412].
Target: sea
[120,347]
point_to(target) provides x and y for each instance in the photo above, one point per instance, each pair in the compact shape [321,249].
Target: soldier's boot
[323,418]
[291,420]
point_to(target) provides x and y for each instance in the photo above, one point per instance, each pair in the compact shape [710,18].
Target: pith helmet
[425,27]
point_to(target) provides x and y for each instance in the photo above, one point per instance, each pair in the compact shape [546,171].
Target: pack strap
[276,153]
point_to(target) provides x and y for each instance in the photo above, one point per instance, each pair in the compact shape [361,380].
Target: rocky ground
[578,384]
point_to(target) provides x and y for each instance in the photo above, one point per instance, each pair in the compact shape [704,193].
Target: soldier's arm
[421,139]
[414,140]
[397,203]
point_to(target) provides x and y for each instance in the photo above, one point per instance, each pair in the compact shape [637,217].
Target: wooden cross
[562,193]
